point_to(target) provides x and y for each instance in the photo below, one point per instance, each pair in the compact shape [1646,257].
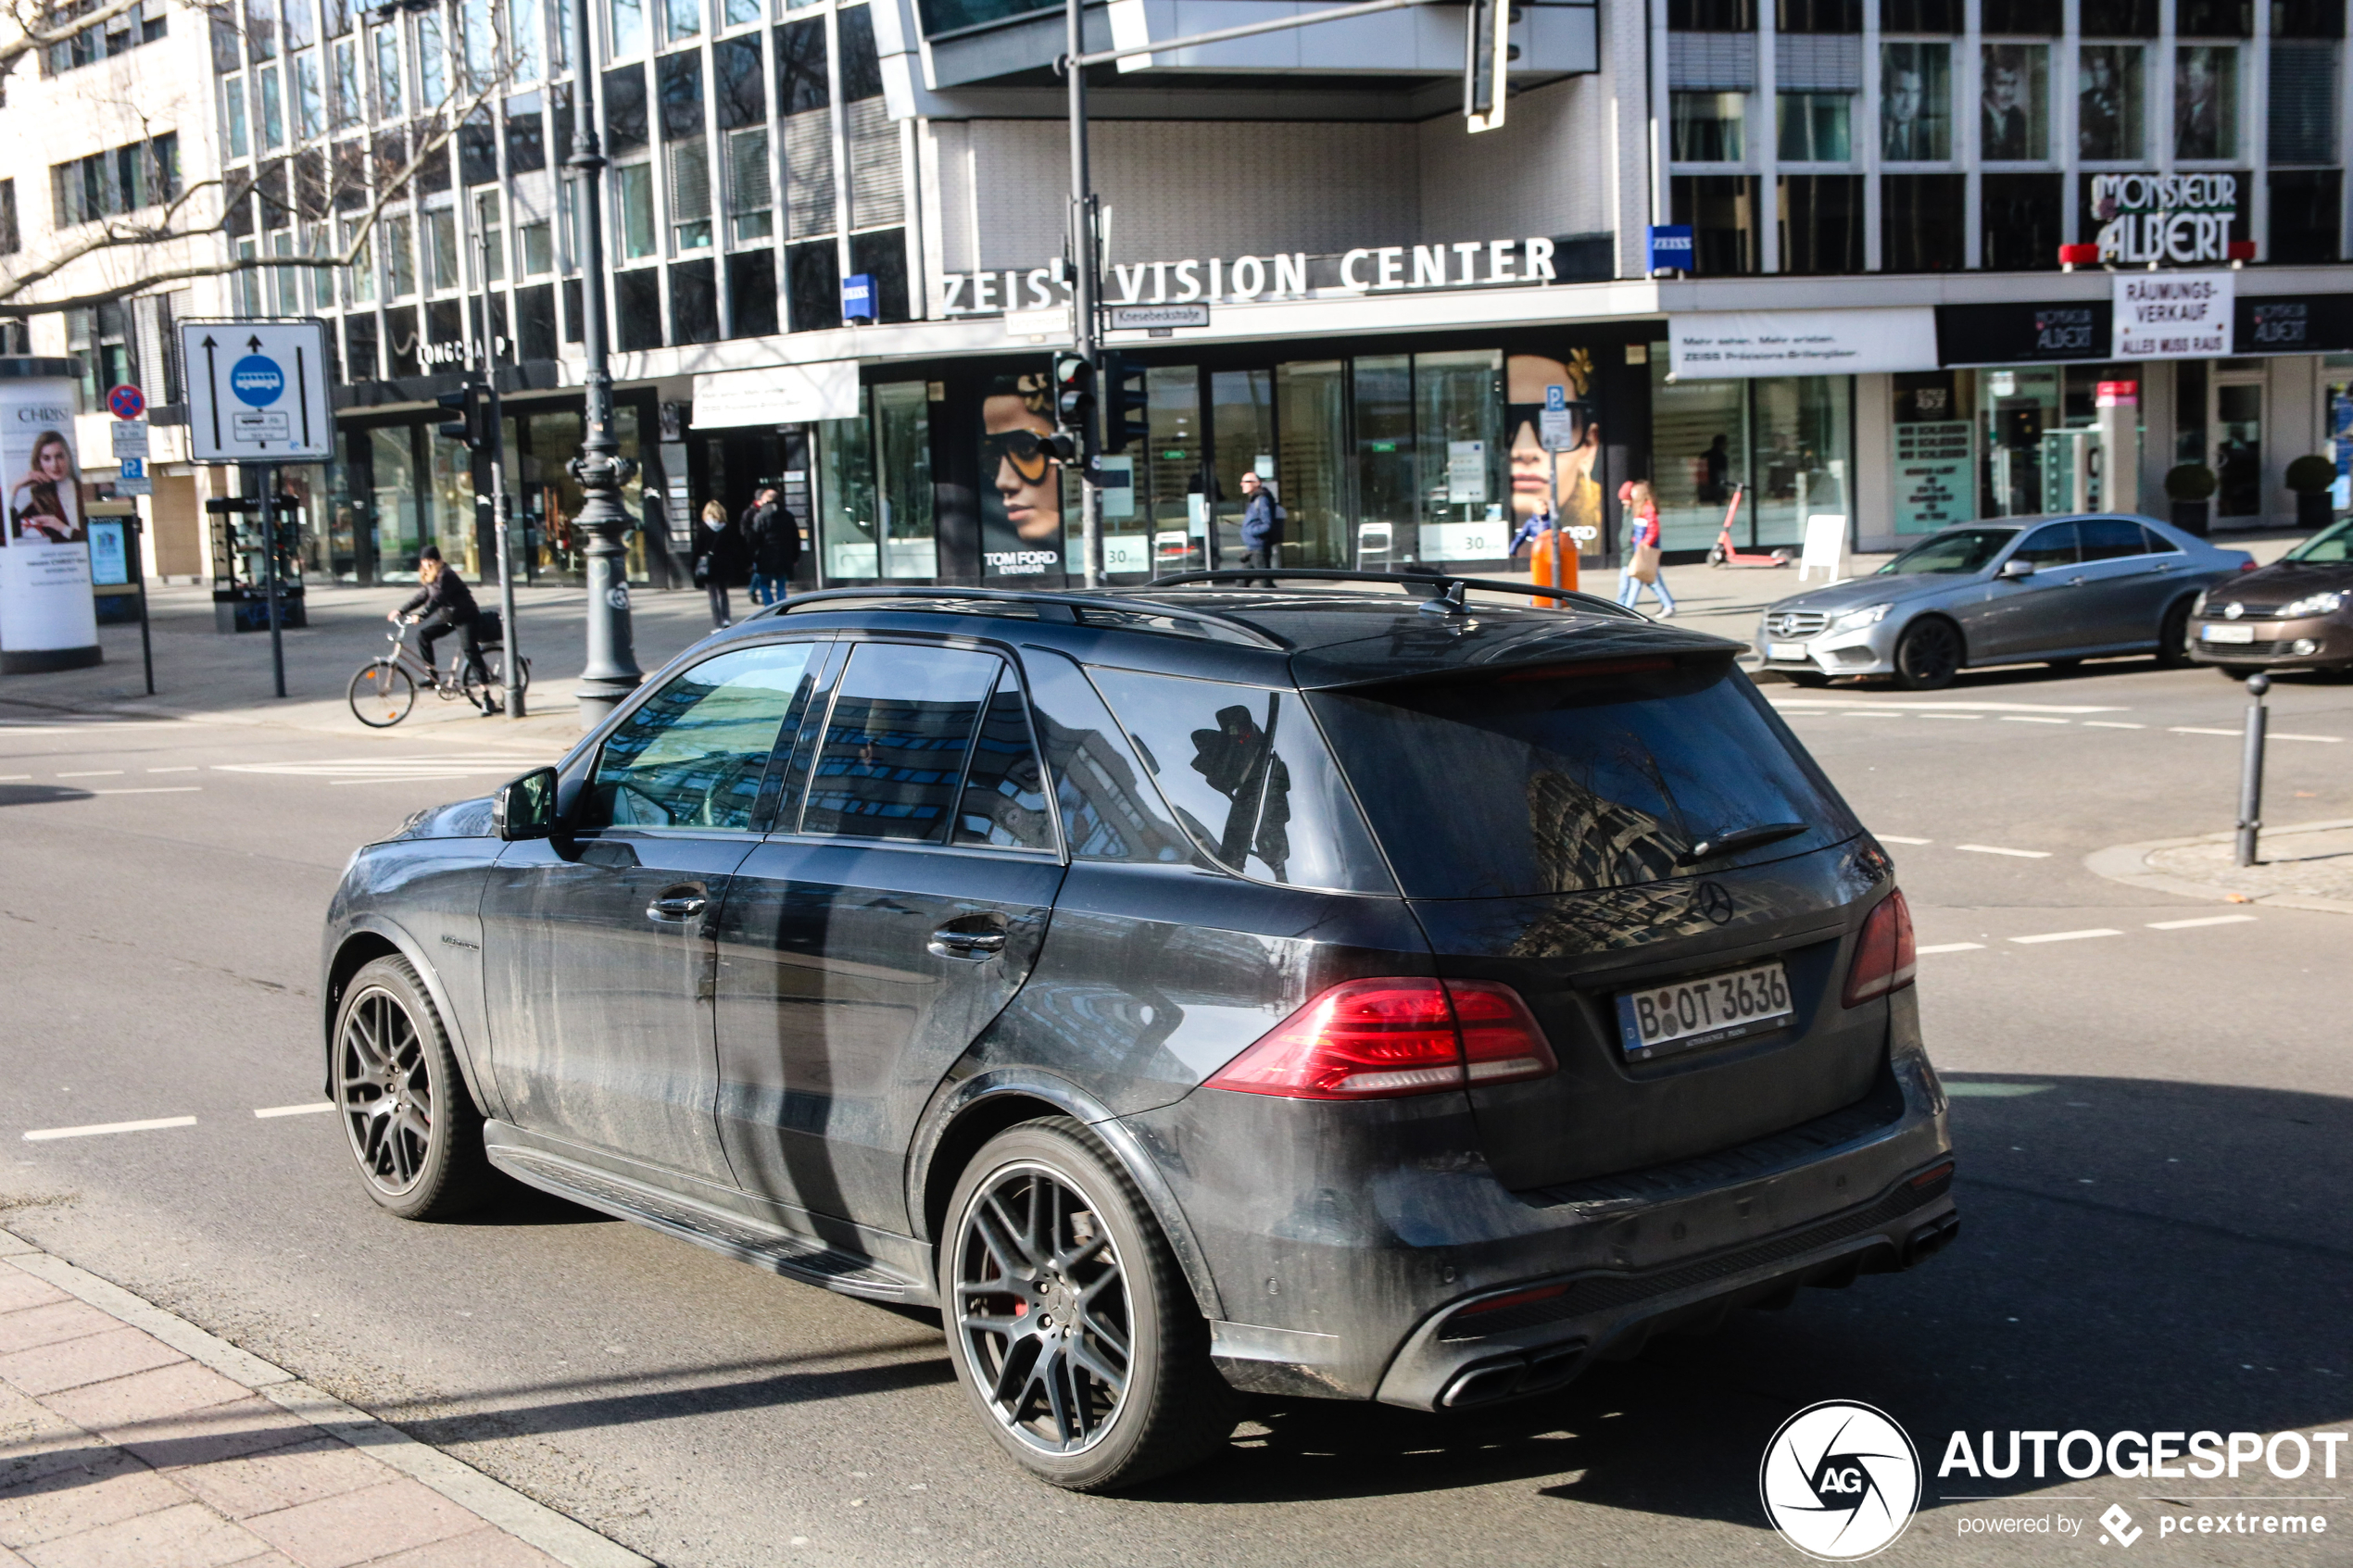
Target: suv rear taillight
[1884,961]
[1373,1039]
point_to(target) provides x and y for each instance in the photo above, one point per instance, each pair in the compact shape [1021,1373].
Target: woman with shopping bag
[1642,569]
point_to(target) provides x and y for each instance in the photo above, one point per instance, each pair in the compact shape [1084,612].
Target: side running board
[738,1235]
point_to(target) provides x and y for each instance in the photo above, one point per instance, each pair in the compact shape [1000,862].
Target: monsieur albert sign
[2177,220]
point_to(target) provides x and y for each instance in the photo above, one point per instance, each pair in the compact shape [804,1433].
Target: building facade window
[1915,102]
[1708,127]
[2109,96]
[1721,211]
[1923,222]
[1815,127]
[2205,102]
[2014,110]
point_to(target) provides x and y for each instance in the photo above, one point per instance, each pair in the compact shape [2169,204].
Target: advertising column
[47,620]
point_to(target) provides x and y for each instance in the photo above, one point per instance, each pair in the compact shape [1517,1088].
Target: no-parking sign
[126,402]
[256,391]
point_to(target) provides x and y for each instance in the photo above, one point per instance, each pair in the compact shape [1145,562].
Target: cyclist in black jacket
[443,604]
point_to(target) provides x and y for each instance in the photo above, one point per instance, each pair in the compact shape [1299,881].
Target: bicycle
[385,690]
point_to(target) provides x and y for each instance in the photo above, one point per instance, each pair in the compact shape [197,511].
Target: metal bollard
[2251,770]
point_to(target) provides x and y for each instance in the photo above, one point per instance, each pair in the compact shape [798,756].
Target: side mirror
[525,808]
[2014,569]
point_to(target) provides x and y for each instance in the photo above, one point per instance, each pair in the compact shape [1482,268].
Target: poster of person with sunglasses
[1021,497]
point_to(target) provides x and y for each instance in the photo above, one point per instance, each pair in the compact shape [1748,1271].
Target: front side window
[1964,550]
[1247,773]
[1553,780]
[694,755]
[896,746]
[2049,546]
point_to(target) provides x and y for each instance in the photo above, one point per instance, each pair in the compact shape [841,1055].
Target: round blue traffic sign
[256,381]
[126,402]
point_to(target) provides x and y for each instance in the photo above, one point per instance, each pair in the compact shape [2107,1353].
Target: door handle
[2075,582]
[977,945]
[677,906]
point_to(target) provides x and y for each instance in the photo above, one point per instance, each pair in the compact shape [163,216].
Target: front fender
[374,923]
[955,1099]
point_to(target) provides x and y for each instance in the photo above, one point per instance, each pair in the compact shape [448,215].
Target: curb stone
[2128,863]
[561,1537]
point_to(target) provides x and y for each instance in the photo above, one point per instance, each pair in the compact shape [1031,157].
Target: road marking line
[2209,919]
[191,769]
[2111,725]
[1953,716]
[94,774]
[2324,740]
[158,789]
[2031,718]
[13,778]
[1871,713]
[1891,838]
[268,1111]
[2190,730]
[1993,1091]
[2067,935]
[398,778]
[1951,948]
[1946,706]
[1997,850]
[46,1134]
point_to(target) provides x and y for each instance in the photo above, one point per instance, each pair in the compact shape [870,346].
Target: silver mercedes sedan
[2025,590]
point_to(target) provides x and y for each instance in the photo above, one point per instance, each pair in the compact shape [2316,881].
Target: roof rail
[1053,605]
[1447,589]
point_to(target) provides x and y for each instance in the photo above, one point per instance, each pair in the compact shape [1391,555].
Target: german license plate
[1786,651]
[1686,1014]
[2227,633]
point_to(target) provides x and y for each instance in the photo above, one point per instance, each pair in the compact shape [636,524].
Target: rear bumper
[1346,1261]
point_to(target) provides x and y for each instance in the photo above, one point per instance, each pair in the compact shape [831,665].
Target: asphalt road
[2155,1129]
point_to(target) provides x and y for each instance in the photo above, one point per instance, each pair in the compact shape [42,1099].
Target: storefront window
[393,477]
[902,426]
[1458,408]
[450,495]
[1935,454]
[1311,486]
[1385,501]
[1783,444]
[1242,411]
[1021,487]
[846,500]
[1172,465]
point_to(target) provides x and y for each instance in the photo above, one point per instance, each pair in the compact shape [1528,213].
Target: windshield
[1565,779]
[1958,549]
[2332,545]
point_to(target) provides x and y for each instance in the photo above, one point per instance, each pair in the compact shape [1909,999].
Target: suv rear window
[1565,779]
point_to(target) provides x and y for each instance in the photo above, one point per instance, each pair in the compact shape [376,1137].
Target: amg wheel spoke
[1113,1377]
[997,1232]
[1058,1402]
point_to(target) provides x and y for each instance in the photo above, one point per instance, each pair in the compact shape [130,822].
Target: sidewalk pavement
[2307,866]
[130,1438]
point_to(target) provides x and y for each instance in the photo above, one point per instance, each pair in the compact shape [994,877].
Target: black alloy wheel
[1068,1320]
[406,1114]
[2173,637]
[1929,655]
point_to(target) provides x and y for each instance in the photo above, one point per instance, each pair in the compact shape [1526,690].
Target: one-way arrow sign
[268,404]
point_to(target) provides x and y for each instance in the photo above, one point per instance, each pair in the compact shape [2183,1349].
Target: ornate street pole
[611,672]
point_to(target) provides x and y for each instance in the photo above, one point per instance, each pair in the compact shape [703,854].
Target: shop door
[2237,425]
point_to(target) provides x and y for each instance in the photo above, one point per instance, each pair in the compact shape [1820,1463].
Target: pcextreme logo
[1840,1480]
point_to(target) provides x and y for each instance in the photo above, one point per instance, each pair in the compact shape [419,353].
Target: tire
[1716,555]
[2173,637]
[381,694]
[1929,655]
[495,659]
[407,1117]
[1093,1421]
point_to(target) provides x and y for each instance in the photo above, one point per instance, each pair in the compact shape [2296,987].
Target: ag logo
[1840,1480]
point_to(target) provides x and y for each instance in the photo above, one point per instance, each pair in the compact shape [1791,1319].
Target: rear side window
[1004,798]
[1247,773]
[1109,812]
[1557,782]
[902,732]
[694,754]
[2111,538]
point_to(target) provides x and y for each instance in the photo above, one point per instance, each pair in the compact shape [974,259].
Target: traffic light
[466,429]
[1073,392]
[1488,49]
[1124,402]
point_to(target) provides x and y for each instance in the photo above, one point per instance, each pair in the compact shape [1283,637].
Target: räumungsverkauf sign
[2174,315]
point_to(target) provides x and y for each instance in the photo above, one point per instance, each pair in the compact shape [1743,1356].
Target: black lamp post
[611,672]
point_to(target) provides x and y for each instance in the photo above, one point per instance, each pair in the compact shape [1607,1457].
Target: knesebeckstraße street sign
[256,391]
